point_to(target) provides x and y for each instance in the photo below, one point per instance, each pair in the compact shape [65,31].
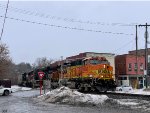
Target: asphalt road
[25,102]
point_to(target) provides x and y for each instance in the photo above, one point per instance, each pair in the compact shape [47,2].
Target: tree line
[12,71]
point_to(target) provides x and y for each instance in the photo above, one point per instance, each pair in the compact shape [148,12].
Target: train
[84,74]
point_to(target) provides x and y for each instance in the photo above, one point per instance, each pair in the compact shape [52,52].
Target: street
[25,102]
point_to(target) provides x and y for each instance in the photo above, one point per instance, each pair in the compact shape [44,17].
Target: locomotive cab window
[94,62]
[76,63]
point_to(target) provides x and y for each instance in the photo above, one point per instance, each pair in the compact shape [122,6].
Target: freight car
[31,79]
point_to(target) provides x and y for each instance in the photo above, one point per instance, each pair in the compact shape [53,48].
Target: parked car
[124,88]
[5,91]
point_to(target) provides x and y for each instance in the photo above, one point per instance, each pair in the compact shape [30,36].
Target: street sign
[41,74]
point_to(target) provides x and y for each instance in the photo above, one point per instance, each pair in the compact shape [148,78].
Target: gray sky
[28,41]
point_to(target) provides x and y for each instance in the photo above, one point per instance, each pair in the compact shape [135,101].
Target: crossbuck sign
[41,74]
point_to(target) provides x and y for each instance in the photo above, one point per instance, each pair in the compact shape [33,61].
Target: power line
[4,20]
[66,19]
[124,46]
[65,27]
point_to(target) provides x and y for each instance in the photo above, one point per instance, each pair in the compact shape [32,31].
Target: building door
[141,82]
[133,82]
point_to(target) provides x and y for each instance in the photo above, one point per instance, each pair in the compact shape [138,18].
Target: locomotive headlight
[90,75]
[104,66]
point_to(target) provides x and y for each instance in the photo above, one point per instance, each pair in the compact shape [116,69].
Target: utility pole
[136,44]
[136,39]
[146,54]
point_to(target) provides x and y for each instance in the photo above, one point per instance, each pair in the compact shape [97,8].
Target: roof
[130,55]
[139,50]
[99,53]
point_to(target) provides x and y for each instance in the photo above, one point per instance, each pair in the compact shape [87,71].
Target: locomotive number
[104,71]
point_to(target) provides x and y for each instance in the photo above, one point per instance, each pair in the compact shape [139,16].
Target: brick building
[140,52]
[128,71]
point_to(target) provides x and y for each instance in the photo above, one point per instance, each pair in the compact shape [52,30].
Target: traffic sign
[41,74]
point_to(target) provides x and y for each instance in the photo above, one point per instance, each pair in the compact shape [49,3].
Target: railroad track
[115,95]
[127,96]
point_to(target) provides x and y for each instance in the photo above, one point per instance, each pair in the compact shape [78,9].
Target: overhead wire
[124,46]
[42,15]
[65,27]
[66,19]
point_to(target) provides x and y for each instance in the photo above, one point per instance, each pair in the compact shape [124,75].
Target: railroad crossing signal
[41,74]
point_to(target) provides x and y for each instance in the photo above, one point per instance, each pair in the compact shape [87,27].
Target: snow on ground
[16,88]
[136,91]
[126,102]
[140,91]
[69,96]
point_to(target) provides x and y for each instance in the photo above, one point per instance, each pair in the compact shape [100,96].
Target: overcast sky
[66,28]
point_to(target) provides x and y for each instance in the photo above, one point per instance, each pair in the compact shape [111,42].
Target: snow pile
[66,95]
[16,88]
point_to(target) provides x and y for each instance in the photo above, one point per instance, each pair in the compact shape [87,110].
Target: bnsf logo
[100,71]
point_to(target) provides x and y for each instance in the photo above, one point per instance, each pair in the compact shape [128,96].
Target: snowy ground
[136,91]
[141,91]
[65,95]
[66,100]
[16,88]
[26,102]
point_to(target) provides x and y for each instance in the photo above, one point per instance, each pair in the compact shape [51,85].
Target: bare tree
[5,60]
[23,67]
[8,69]
[42,62]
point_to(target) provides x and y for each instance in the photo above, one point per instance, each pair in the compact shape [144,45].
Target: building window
[129,67]
[122,78]
[141,67]
[135,67]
